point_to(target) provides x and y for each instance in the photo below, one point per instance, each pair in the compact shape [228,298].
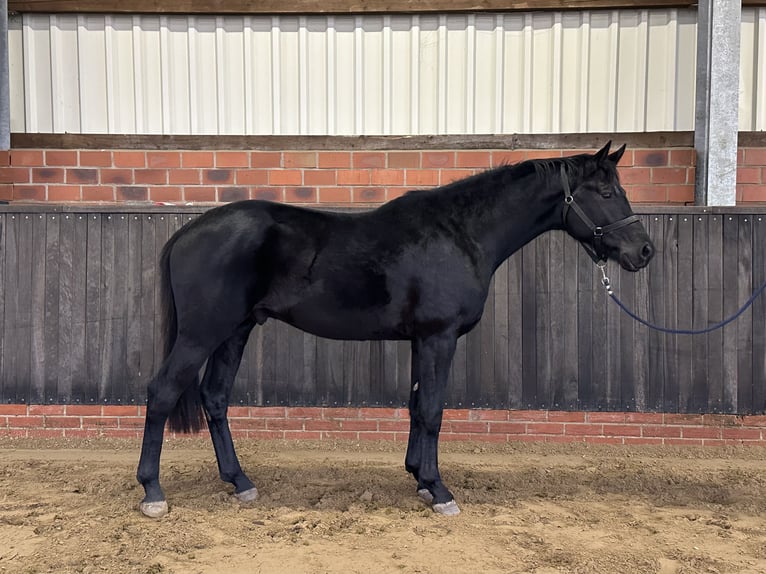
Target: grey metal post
[717,106]
[5,92]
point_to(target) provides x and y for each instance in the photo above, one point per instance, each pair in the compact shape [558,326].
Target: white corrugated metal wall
[542,72]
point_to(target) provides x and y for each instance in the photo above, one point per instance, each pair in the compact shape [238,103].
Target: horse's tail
[186,416]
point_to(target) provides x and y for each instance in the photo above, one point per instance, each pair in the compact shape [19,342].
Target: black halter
[596,251]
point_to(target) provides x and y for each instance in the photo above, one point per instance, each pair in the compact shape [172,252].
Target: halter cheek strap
[597,251]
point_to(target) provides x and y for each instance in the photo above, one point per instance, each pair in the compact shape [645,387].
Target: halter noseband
[596,251]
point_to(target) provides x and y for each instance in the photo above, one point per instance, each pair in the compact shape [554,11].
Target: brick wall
[653,175]
[359,424]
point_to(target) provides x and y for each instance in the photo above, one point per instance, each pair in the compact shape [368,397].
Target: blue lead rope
[608,286]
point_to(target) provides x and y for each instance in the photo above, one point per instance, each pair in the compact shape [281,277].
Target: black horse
[418,268]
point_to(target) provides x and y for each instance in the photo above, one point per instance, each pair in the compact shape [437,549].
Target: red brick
[366,413]
[320,177]
[404,159]
[83,410]
[566,417]
[129,159]
[151,176]
[650,157]
[387,177]
[97,193]
[438,159]
[635,175]
[47,175]
[701,432]
[682,157]
[507,427]
[660,431]
[341,435]
[253,177]
[741,434]
[621,430]
[669,175]
[353,177]
[523,415]
[377,436]
[473,159]
[165,193]
[368,159]
[47,409]
[642,440]
[449,175]
[302,435]
[14,175]
[26,422]
[583,429]
[644,418]
[45,433]
[744,175]
[368,195]
[683,442]
[131,422]
[232,159]
[751,193]
[120,410]
[247,424]
[26,157]
[285,177]
[131,193]
[13,433]
[29,192]
[303,413]
[95,158]
[488,415]
[268,412]
[284,424]
[604,440]
[82,433]
[322,425]
[233,193]
[120,433]
[82,175]
[202,194]
[346,413]
[6,191]
[507,157]
[218,176]
[60,158]
[394,192]
[117,176]
[543,153]
[352,425]
[682,419]
[646,193]
[334,159]
[166,159]
[422,177]
[267,159]
[545,428]
[467,427]
[197,159]
[62,422]
[269,194]
[683,194]
[753,156]
[64,193]
[292,159]
[388,426]
[732,420]
[13,409]
[5,158]
[606,417]
[300,194]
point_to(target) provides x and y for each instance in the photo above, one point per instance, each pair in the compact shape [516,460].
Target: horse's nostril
[647,251]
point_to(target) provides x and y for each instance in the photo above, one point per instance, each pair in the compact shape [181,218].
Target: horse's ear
[603,152]
[617,156]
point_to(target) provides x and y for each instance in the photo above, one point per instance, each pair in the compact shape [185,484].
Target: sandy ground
[71,506]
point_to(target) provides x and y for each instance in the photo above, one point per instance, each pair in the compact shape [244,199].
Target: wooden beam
[333,6]
[425,142]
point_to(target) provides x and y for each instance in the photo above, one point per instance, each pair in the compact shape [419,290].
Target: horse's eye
[606,192]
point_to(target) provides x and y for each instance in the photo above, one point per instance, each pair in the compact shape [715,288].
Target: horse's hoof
[425,495]
[447,508]
[154,509]
[248,495]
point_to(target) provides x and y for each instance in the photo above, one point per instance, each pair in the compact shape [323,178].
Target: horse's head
[596,212]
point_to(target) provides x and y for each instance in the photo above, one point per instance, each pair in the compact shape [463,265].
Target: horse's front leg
[431,359]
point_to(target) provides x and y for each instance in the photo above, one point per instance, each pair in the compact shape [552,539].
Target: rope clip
[605,281]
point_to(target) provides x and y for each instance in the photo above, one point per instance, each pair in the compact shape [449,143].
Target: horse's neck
[528,208]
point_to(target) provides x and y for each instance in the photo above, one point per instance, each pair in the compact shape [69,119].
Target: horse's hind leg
[215,390]
[176,374]
[431,361]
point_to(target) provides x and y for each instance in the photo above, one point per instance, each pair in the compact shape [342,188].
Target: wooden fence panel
[80,324]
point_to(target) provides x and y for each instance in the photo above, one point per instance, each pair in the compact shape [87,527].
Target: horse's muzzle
[638,259]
